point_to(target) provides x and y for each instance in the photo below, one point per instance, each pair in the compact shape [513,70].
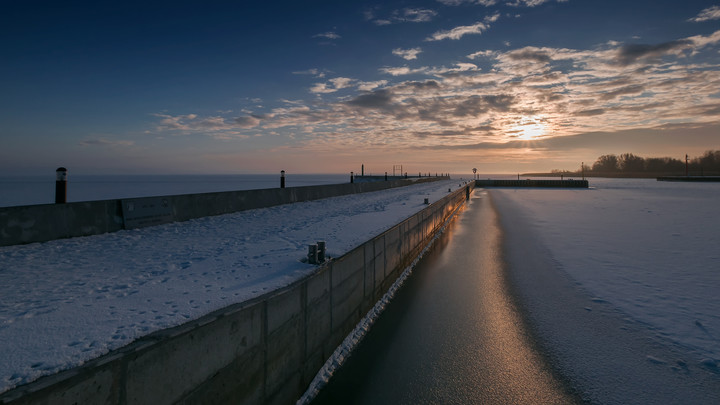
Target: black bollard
[282,178]
[385,176]
[61,185]
[321,251]
[352,177]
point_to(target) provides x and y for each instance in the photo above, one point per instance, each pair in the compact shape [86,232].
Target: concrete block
[346,299]
[347,266]
[369,270]
[318,323]
[283,307]
[96,386]
[241,382]
[168,370]
[318,285]
[284,355]
[379,265]
[393,249]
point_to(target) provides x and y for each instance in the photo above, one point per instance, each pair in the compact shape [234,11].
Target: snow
[67,301]
[636,249]
[620,283]
[650,248]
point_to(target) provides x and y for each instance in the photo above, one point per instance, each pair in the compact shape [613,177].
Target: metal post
[362,170]
[282,178]
[313,254]
[352,177]
[321,251]
[385,176]
[60,185]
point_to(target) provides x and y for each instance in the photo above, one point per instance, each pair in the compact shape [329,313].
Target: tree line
[628,164]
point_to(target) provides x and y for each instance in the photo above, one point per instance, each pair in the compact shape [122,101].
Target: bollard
[352,178]
[282,178]
[60,185]
[427,201]
[321,251]
[313,254]
[362,171]
[385,176]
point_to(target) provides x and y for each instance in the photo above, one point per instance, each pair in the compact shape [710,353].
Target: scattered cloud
[334,85]
[327,35]
[486,3]
[710,13]
[459,32]
[407,54]
[368,86]
[560,91]
[312,72]
[405,15]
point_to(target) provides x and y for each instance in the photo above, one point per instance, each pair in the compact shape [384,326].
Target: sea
[33,190]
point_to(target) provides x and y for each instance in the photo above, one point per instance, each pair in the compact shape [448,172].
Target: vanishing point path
[452,334]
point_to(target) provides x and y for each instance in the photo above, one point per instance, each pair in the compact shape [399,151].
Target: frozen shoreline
[608,306]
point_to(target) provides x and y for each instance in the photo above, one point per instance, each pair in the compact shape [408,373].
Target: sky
[234,87]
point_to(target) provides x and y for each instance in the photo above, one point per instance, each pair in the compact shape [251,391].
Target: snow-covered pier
[219,308]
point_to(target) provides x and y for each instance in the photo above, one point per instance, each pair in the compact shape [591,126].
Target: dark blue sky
[253,86]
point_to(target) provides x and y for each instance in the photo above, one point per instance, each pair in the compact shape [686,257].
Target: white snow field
[623,282]
[67,301]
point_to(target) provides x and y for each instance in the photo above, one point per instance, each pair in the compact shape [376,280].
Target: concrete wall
[40,223]
[533,183]
[265,351]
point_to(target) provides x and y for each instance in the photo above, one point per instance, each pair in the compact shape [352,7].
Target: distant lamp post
[474,172]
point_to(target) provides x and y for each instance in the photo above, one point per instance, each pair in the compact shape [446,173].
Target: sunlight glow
[530,128]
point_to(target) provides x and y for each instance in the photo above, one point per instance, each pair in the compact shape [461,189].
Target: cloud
[416,15]
[409,14]
[377,99]
[327,35]
[246,122]
[710,13]
[530,3]
[629,54]
[484,54]
[459,2]
[407,54]
[566,91]
[401,71]
[368,86]
[335,84]
[459,32]
[313,72]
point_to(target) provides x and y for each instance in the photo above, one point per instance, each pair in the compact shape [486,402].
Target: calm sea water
[30,190]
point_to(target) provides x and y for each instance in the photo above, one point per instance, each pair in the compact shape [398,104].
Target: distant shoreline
[619,175]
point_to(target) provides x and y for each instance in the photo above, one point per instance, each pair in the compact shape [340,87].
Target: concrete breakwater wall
[532,183]
[40,223]
[264,351]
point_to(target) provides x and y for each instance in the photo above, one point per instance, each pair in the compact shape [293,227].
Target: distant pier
[533,183]
[690,178]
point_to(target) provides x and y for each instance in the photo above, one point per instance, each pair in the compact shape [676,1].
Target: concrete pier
[263,351]
[533,183]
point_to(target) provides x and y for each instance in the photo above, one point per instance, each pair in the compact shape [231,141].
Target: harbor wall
[263,351]
[44,222]
[533,183]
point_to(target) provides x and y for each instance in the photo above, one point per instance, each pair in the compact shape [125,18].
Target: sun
[530,128]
